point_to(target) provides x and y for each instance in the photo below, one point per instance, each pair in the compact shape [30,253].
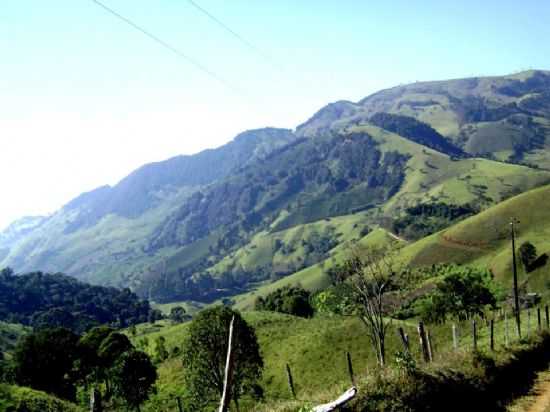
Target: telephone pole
[514,221]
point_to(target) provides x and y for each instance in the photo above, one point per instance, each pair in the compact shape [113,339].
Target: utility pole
[513,221]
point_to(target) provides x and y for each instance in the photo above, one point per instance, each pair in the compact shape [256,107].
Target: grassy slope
[484,239]
[262,251]
[455,182]
[17,398]
[434,176]
[314,348]
[313,277]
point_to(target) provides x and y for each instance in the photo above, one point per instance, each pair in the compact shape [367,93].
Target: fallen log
[342,400]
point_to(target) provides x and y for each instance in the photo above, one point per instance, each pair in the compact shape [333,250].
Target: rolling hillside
[273,205]
[503,117]
[485,238]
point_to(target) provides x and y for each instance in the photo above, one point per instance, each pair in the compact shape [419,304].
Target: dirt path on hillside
[393,235]
[538,400]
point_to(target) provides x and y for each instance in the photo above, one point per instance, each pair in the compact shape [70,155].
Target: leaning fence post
[423,343]
[430,348]
[404,339]
[228,375]
[350,369]
[492,334]
[474,334]
[455,337]
[539,324]
[290,381]
[95,400]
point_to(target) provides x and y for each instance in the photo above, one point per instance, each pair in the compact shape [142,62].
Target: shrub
[293,300]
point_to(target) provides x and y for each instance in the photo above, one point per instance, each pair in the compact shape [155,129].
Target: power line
[236,35]
[168,46]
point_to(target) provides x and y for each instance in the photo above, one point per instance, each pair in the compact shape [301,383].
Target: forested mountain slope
[273,202]
[506,117]
[108,227]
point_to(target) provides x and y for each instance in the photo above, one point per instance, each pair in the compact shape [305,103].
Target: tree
[134,376]
[177,314]
[91,366]
[44,360]
[371,273]
[293,300]
[527,255]
[204,355]
[56,317]
[462,294]
[161,353]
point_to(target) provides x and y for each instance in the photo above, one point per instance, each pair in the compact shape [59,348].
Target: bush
[462,294]
[293,300]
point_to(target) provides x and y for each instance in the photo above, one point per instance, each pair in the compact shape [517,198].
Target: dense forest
[425,219]
[45,300]
[416,131]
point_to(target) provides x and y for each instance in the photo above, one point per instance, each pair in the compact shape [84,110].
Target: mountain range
[274,203]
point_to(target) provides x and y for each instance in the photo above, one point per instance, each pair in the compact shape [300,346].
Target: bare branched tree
[372,273]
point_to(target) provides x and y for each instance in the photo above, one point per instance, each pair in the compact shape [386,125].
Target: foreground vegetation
[20,399]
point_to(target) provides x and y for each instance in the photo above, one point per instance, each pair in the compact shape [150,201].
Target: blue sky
[85,99]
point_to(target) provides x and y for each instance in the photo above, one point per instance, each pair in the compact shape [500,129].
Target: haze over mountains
[273,201]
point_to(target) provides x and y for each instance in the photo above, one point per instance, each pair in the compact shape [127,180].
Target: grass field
[315,349]
[17,398]
[484,239]
[312,278]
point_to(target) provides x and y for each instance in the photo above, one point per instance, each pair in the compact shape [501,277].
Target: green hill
[20,399]
[315,349]
[485,238]
[274,204]
[505,117]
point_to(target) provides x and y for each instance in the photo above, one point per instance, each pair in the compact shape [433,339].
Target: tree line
[43,300]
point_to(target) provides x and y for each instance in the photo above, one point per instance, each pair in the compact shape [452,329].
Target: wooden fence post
[528,322]
[547,317]
[492,334]
[506,337]
[430,347]
[350,369]
[455,338]
[404,339]
[290,381]
[423,343]
[226,394]
[180,408]
[474,334]
[95,400]
[539,323]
